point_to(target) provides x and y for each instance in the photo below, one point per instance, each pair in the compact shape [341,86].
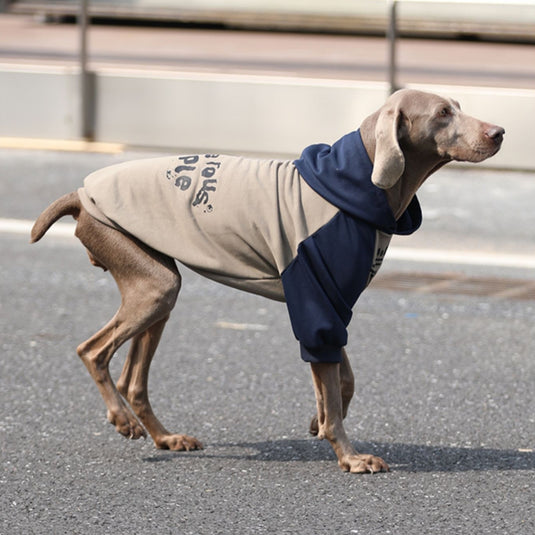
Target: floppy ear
[389,162]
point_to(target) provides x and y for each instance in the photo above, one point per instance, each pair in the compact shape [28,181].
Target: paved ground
[444,391]
[444,381]
[24,40]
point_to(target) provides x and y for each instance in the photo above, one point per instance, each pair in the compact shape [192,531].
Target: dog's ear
[389,162]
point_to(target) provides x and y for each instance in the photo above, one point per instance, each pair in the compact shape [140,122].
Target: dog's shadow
[401,457]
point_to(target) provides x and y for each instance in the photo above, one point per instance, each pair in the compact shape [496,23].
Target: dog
[311,232]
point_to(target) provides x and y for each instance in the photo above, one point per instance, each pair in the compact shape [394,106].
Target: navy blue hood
[341,174]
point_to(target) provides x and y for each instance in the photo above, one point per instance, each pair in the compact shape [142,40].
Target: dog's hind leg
[149,283]
[133,385]
[96,353]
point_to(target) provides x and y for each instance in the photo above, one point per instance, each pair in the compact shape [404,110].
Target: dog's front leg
[347,386]
[329,403]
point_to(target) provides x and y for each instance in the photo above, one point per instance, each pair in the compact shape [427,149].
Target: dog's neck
[417,169]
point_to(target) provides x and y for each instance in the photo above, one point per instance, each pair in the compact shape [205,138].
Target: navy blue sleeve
[323,282]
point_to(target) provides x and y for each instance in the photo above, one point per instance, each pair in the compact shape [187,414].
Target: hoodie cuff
[321,354]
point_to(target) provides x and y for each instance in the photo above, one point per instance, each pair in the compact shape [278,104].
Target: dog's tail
[69,204]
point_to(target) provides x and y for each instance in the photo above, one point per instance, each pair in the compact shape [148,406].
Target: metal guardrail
[393,34]
[87,78]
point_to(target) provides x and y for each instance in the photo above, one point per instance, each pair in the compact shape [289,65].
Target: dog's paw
[127,425]
[363,464]
[178,443]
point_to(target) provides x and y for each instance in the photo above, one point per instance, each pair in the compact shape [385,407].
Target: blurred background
[469,19]
[257,76]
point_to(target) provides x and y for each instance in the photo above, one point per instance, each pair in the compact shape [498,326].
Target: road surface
[444,388]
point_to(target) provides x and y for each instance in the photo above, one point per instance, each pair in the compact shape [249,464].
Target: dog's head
[431,131]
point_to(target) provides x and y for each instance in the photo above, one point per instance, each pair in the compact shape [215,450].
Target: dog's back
[235,220]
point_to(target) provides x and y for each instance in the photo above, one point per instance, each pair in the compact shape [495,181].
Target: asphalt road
[444,390]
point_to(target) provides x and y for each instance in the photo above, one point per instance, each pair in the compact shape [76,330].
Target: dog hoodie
[312,232]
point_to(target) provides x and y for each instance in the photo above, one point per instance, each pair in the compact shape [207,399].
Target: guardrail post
[391,36]
[87,78]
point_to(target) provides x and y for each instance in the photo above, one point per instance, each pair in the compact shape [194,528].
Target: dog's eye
[445,112]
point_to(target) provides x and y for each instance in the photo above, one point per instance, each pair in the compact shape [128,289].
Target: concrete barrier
[230,112]
[233,113]
[39,102]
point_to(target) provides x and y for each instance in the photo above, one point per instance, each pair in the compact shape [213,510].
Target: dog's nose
[495,133]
